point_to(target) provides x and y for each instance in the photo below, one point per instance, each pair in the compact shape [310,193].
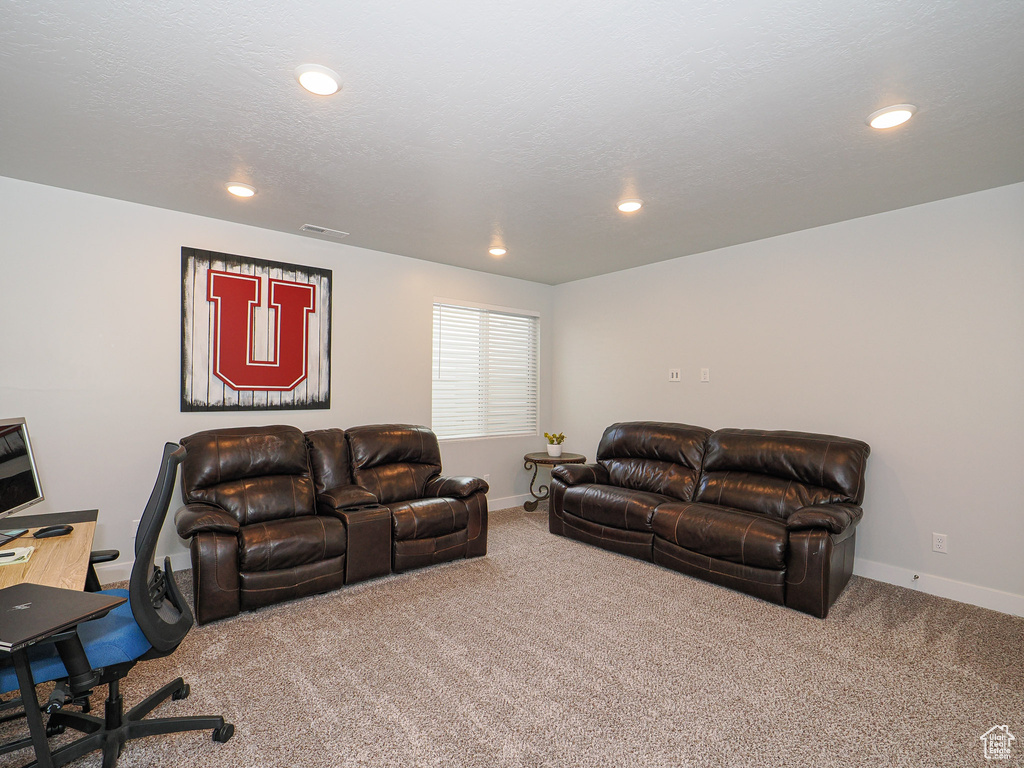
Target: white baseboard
[984,597]
[121,569]
[508,501]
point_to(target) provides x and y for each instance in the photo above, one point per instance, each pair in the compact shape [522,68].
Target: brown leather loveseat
[274,514]
[773,514]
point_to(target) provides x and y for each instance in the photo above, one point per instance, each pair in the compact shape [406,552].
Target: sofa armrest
[454,487]
[577,474]
[332,501]
[198,518]
[837,519]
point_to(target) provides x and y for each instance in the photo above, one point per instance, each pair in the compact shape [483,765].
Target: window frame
[496,309]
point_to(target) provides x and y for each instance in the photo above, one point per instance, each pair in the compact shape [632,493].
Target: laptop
[32,612]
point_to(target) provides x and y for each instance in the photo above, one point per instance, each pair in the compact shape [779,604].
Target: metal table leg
[36,727]
[544,491]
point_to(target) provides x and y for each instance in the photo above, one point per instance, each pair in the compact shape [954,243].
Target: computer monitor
[19,480]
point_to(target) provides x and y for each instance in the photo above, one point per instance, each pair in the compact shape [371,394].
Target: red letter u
[235,298]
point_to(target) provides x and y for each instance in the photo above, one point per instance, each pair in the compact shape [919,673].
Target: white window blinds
[485,372]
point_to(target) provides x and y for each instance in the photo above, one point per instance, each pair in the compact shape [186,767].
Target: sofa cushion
[278,544]
[427,518]
[777,473]
[393,461]
[724,533]
[260,499]
[613,506]
[656,457]
[254,474]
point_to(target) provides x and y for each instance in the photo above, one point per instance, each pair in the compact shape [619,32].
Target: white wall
[904,329]
[91,333]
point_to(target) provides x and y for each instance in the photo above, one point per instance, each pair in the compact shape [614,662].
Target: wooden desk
[59,561]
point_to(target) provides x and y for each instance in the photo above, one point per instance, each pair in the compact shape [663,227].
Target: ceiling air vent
[324,231]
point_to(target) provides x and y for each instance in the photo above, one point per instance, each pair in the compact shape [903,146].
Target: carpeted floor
[548,652]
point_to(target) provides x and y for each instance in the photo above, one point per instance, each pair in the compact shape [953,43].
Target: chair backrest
[654,456]
[393,461]
[255,474]
[157,604]
[776,473]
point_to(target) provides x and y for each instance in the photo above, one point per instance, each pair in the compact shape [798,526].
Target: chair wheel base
[224,733]
[181,693]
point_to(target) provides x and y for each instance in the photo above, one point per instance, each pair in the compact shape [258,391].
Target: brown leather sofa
[274,514]
[773,514]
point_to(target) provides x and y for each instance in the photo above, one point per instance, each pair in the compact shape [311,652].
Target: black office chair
[150,625]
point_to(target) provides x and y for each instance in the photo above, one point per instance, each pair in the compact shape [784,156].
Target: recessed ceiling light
[238,189]
[892,116]
[319,80]
[497,251]
[630,206]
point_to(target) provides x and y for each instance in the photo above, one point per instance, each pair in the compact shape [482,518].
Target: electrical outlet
[940,543]
[674,374]
[705,374]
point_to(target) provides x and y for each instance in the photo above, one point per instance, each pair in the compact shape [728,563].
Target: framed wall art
[255,334]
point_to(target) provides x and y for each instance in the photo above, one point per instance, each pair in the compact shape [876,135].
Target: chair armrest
[454,487]
[834,518]
[197,518]
[577,474]
[332,501]
[97,556]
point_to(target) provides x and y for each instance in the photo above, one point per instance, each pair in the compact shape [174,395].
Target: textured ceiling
[466,122]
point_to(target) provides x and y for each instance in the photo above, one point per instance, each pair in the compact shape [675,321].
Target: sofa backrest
[777,473]
[254,473]
[654,456]
[393,461]
[328,459]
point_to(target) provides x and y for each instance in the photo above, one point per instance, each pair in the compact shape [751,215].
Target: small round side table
[535,461]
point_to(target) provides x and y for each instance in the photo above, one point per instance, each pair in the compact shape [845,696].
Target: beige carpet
[548,652]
